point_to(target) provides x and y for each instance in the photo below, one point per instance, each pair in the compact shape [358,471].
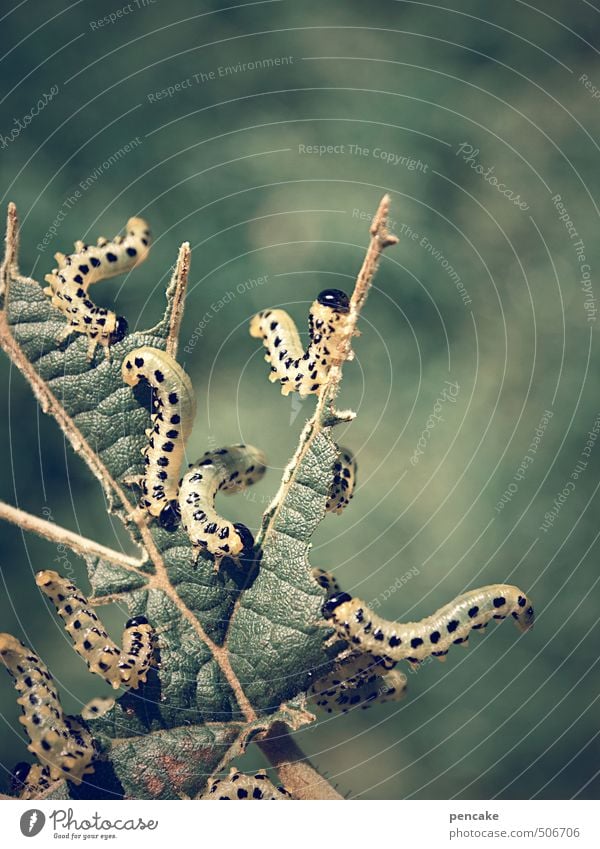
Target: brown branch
[61,536]
[11,253]
[295,770]
[178,286]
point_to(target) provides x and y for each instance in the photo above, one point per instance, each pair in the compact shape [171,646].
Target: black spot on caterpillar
[126,667]
[172,421]
[238,786]
[359,680]
[298,370]
[414,641]
[29,781]
[59,742]
[68,284]
[227,470]
[344,481]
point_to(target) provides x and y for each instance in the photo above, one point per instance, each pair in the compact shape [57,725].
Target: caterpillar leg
[59,742]
[238,786]
[121,667]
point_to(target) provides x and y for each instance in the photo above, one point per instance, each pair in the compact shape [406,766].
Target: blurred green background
[222,106]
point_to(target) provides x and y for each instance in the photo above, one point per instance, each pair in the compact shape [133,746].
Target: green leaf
[230,655]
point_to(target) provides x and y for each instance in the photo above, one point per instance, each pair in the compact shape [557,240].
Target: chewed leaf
[195,702]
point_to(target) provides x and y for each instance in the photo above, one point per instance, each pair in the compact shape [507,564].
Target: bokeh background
[202,119]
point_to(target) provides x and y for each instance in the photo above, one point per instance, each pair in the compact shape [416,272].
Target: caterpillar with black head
[68,284]
[59,742]
[229,470]
[296,369]
[433,636]
[344,482]
[172,420]
[248,788]
[121,667]
[359,680]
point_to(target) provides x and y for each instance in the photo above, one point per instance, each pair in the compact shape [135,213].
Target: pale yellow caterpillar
[122,667]
[172,421]
[358,681]
[344,482]
[229,470]
[415,641]
[59,742]
[238,786]
[69,283]
[296,369]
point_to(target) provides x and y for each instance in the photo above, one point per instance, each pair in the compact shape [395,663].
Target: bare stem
[295,770]
[11,253]
[62,536]
[324,413]
[178,286]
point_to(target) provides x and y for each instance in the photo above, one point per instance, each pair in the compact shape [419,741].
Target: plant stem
[295,770]
[178,286]
[62,536]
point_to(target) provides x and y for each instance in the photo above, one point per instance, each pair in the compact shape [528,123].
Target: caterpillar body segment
[59,742]
[451,625]
[29,781]
[296,369]
[228,470]
[359,681]
[248,788]
[68,284]
[121,667]
[172,421]
[344,481]
[327,581]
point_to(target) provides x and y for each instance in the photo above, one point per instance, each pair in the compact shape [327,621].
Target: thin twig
[11,253]
[325,414]
[62,536]
[178,286]
[295,771]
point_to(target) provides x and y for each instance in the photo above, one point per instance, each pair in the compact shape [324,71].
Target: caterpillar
[298,370]
[327,581]
[238,786]
[172,420]
[344,481]
[126,667]
[29,781]
[59,742]
[227,470]
[358,681]
[68,284]
[415,641]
